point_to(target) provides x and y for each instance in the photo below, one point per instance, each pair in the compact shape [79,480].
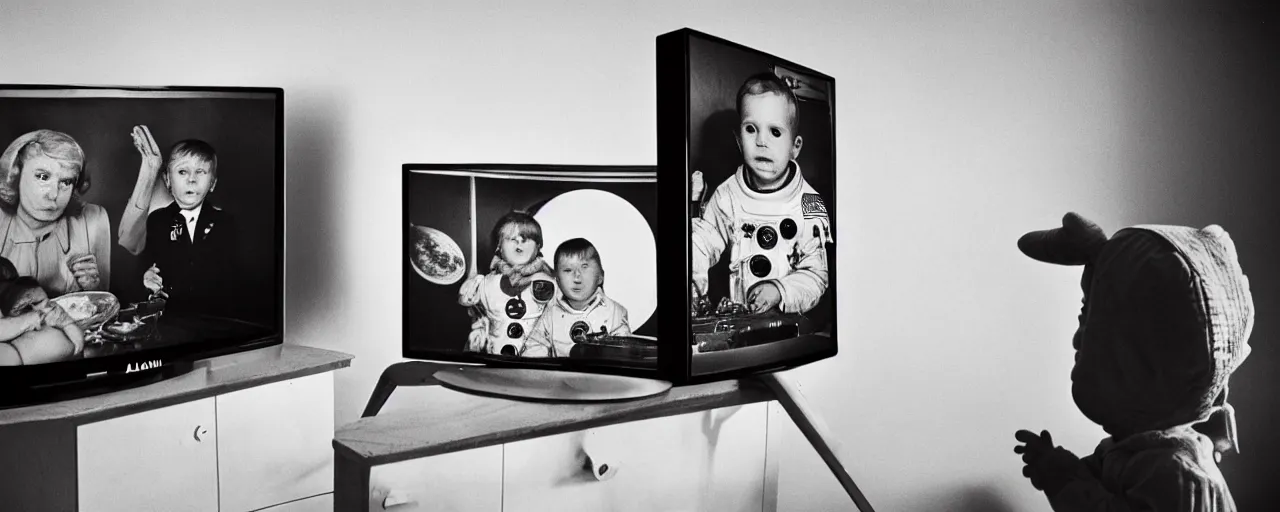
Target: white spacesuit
[507,318]
[777,236]
[554,334]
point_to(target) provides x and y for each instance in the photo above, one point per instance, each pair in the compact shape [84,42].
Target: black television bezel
[595,366]
[82,372]
[673,127]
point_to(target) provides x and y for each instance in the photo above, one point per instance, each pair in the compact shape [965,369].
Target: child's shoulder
[163,212]
[811,202]
[612,304]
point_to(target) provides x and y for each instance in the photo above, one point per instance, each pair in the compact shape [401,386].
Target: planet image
[436,257]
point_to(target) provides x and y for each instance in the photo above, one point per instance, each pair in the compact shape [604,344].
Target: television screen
[531,265]
[746,141]
[138,226]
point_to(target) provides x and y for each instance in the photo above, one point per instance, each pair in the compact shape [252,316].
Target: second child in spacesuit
[507,302]
[773,223]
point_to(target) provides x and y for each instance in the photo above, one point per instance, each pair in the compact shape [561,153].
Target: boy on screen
[581,309]
[772,221]
[191,244]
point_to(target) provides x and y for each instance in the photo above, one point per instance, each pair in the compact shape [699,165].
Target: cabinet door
[466,481]
[275,443]
[710,460]
[164,460]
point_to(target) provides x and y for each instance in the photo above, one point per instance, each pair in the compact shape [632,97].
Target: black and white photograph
[761,174]
[133,219]
[533,263]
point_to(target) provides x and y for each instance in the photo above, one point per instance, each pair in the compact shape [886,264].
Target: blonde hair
[53,144]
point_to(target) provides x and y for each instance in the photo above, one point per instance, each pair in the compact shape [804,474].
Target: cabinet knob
[200,433]
[601,457]
[396,498]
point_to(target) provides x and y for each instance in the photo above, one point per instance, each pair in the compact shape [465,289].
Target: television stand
[650,403]
[519,383]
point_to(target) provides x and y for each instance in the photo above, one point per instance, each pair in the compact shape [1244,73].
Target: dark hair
[17,293]
[194,148]
[767,82]
[525,225]
[579,248]
[8,272]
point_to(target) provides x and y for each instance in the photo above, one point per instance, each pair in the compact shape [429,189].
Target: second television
[532,265]
[746,141]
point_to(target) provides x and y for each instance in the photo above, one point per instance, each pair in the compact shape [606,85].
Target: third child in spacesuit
[774,224]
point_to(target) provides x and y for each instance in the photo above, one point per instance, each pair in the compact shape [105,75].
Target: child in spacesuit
[1166,319]
[773,223]
[507,301]
[581,309]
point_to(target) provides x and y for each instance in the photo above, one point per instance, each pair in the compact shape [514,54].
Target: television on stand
[746,148]
[533,267]
[141,230]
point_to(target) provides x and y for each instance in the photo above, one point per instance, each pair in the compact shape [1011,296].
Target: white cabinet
[709,460]
[236,452]
[466,481]
[249,432]
[699,461]
[274,443]
[163,460]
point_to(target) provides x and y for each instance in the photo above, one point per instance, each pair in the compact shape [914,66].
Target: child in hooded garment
[1166,319]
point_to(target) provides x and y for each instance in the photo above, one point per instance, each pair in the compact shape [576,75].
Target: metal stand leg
[408,373]
[814,430]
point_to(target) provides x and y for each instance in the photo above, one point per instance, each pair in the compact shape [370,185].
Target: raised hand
[85,270]
[1048,467]
[696,186]
[146,146]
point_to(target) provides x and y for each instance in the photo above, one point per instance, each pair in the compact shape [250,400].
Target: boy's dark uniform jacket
[199,276]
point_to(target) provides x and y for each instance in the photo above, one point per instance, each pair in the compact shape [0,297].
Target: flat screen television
[747,161]
[537,266]
[717,263]
[141,229]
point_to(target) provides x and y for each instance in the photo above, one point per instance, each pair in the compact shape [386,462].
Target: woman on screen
[46,229]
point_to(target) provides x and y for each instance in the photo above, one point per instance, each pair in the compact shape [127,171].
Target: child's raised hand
[763,297]
[146,146]
[1048,467]
[696,186]
[152,280]
[85,270]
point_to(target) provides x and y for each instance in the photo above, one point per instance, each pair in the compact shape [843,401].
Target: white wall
[960,129]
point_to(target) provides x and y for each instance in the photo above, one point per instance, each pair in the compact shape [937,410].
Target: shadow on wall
[315,128]
[980,498]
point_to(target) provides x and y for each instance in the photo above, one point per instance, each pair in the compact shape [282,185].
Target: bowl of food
[89,309]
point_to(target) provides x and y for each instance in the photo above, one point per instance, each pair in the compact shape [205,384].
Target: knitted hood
[1166,319]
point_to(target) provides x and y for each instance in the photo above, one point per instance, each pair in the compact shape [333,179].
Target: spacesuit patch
[812,206]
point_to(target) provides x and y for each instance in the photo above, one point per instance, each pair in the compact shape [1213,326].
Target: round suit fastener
[515,330]
[767,237]
[788,229]
[543,290]
[508,350]
[578,331]
[760,265]
[516,308]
